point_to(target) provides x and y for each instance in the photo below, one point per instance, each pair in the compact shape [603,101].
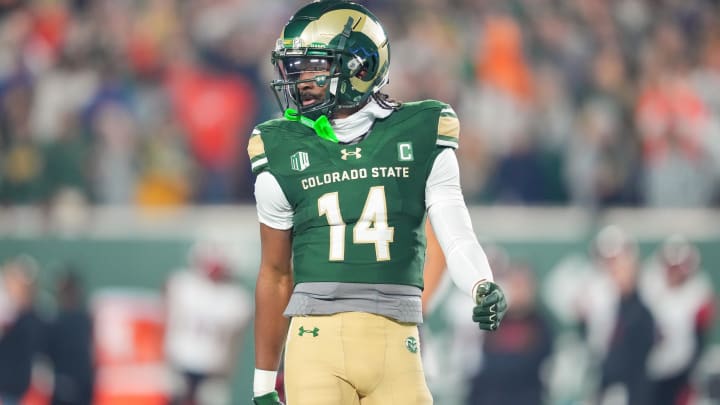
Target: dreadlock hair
[386,102]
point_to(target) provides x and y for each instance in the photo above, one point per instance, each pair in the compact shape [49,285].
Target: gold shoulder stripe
[256,151]
[256,147]
[449,126]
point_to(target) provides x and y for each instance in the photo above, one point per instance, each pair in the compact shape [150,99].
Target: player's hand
[271,398]
[490,306]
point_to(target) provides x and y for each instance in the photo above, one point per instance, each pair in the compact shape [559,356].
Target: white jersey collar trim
[359,123]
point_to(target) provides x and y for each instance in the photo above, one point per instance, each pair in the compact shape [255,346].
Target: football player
[344,182]
[679,293]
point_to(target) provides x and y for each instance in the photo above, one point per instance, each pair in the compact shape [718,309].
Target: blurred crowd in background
[590,102]
[150,103]
[175,344]
[606,325]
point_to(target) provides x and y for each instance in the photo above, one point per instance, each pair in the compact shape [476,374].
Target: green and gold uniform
[358,232]
[358,209]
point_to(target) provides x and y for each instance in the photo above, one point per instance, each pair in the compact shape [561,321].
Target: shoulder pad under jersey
[264,136]
[256,152]
[448,125]
[448,131]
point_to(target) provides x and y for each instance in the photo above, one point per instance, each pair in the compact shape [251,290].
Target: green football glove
[271,398]
[490,306]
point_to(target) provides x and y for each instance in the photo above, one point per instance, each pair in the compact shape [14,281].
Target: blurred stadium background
[123,127]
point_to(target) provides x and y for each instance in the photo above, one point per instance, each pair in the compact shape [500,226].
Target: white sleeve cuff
[263,382]
[273,208]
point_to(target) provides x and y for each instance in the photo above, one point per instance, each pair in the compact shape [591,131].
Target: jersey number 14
[371,227]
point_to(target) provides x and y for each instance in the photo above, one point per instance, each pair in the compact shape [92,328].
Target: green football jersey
[358,209]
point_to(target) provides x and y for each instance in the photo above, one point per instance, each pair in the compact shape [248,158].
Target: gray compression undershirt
[399,302]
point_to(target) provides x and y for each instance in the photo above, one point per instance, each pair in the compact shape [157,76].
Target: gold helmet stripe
[325,28]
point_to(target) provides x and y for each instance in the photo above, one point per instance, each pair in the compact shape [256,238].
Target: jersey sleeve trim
[273,208]
[448,128]
[256,151]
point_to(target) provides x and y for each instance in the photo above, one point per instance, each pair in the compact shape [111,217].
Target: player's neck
[345,112]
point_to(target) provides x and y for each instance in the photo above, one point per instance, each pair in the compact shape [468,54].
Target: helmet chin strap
[321,126]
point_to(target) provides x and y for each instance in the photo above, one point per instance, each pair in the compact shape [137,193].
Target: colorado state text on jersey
[355,174]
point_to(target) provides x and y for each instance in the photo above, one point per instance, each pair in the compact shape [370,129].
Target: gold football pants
[353,358]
